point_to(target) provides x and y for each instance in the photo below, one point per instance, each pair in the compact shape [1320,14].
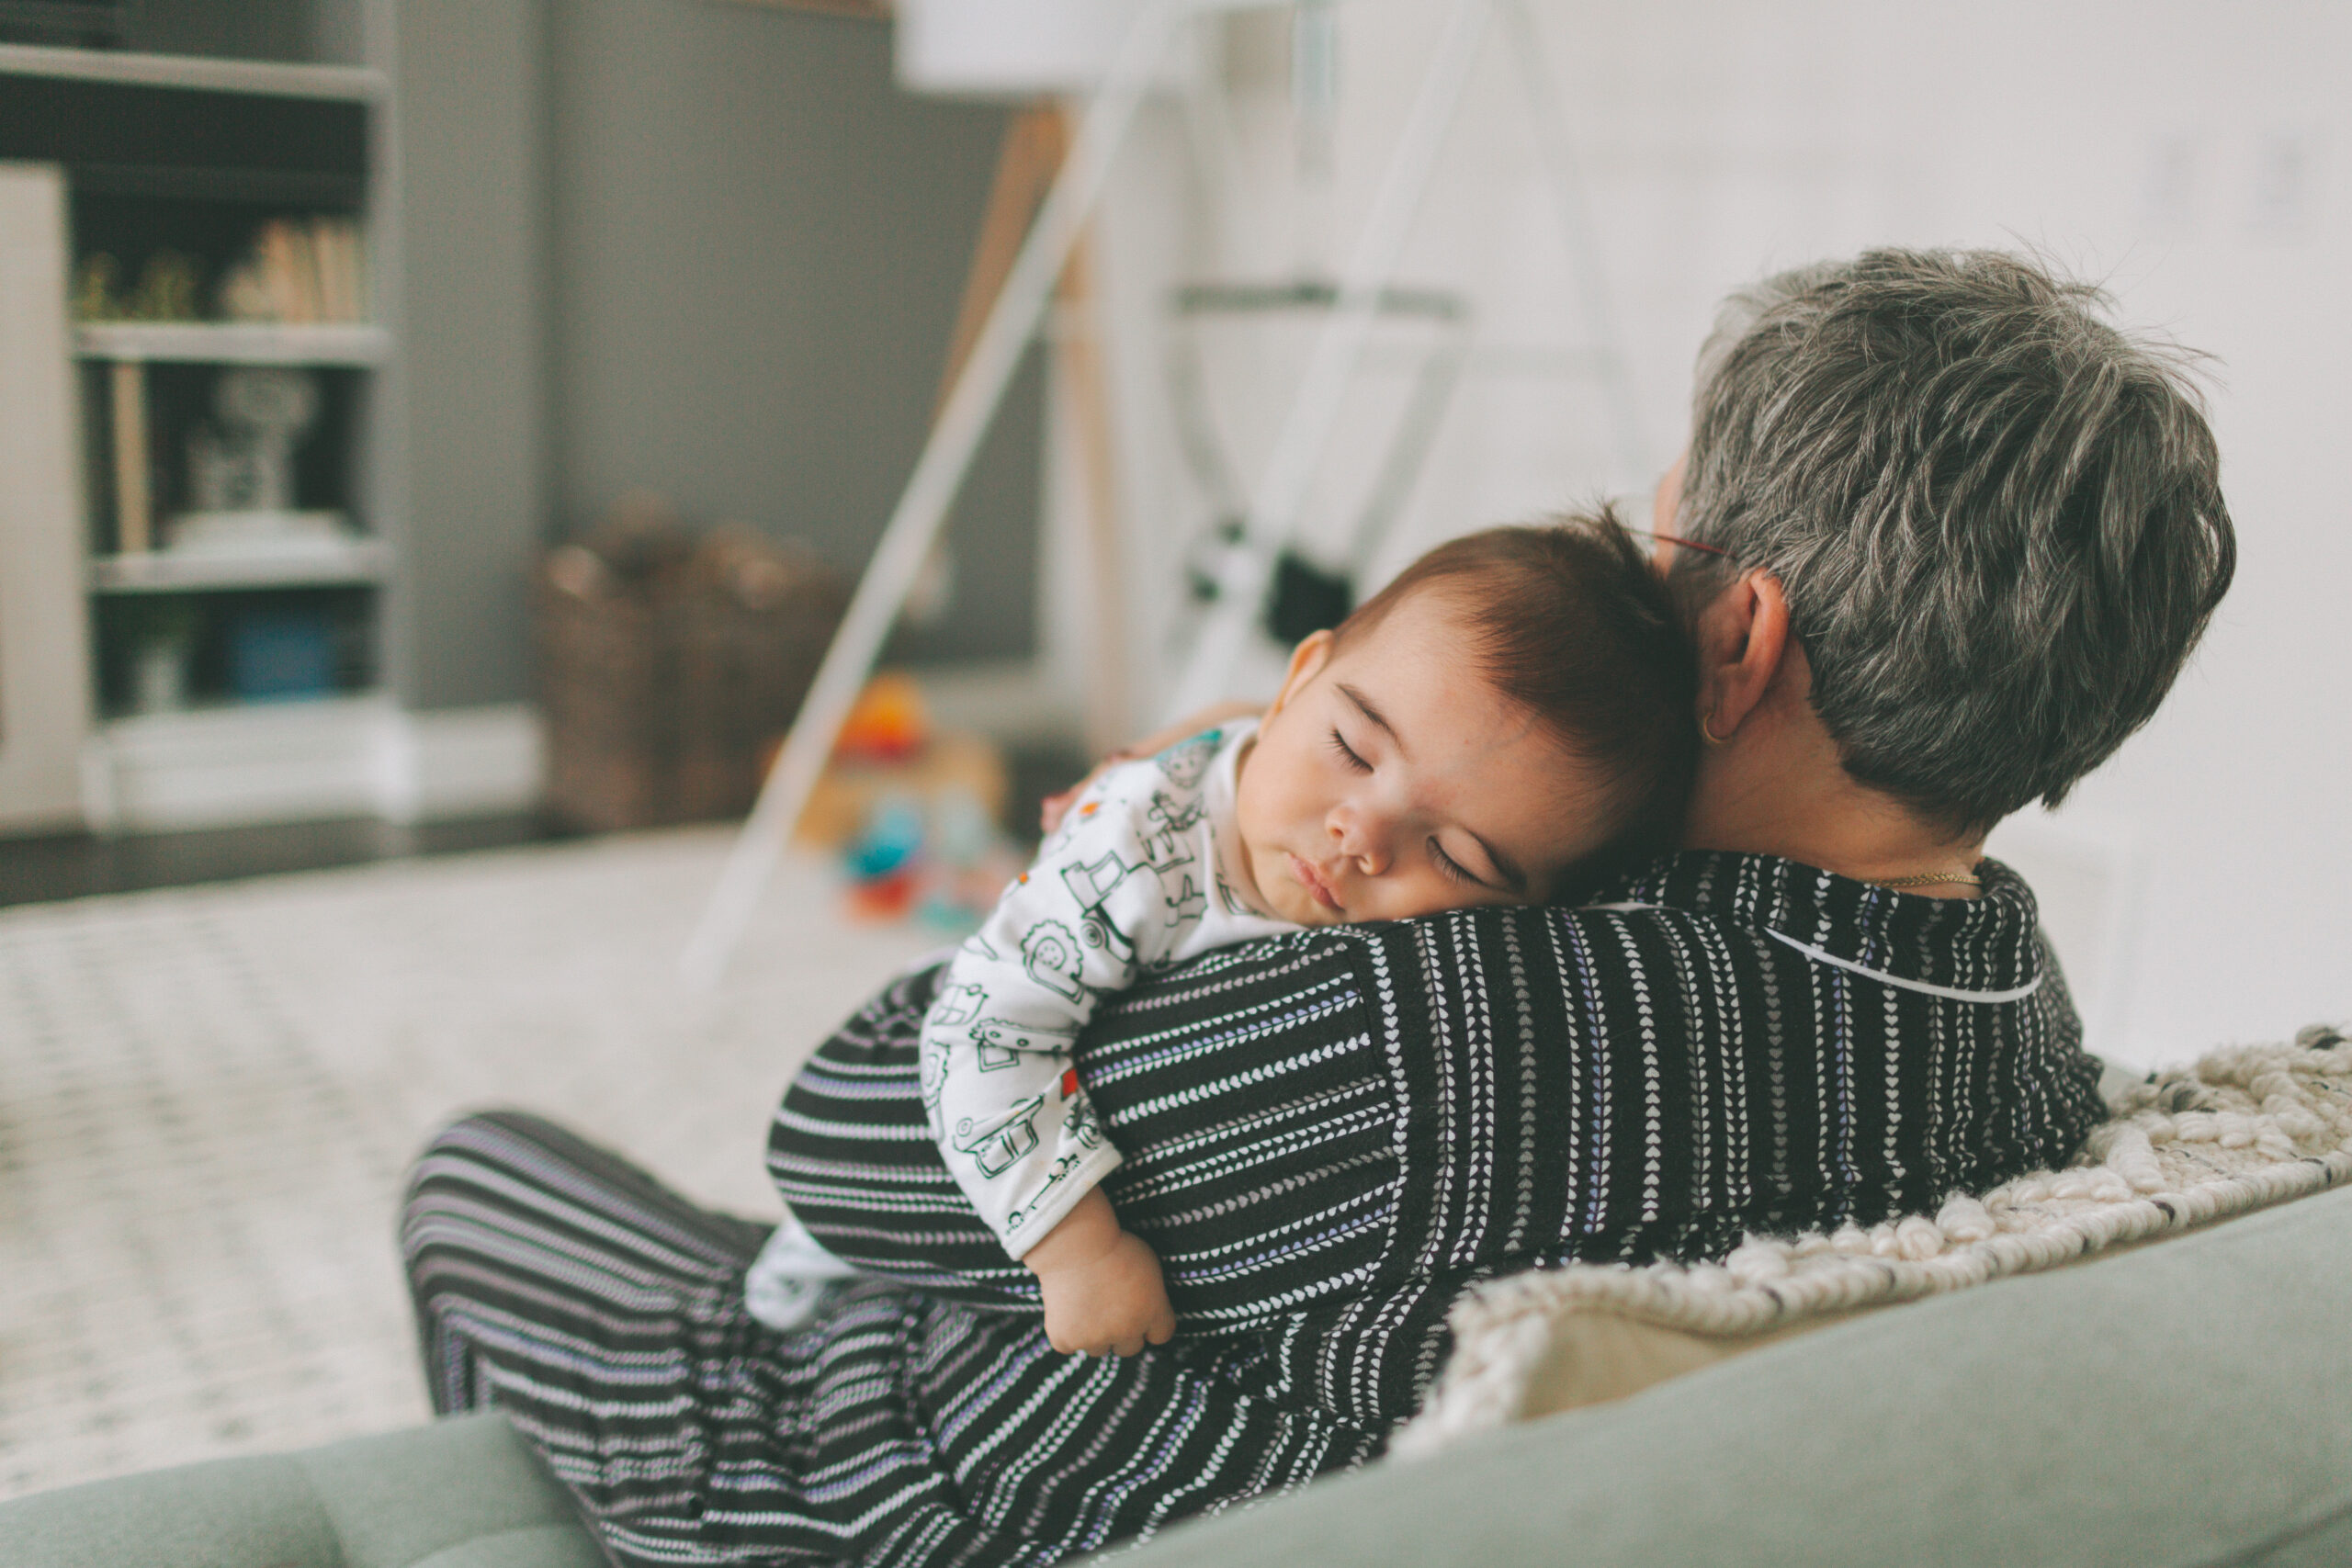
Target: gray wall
[468,468]
[325,30]
[707,249]
[760,243]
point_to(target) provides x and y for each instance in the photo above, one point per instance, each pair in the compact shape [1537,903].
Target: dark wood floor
[75,865]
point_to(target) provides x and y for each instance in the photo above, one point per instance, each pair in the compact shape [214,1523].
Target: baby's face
[1390,780]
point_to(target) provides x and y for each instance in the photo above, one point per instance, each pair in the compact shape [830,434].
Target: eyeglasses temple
[1681,543]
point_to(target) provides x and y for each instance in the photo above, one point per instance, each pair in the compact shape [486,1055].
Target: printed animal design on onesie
[1186,764]
[1083,1130]
[1002,1041]
[1232,903]
[1053,958]
[957,1006]
[1168,850]
[1172,820]
[1092,885]
[998,1146]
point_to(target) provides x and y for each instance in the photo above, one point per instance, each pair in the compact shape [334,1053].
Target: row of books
[296,269]
[299,270]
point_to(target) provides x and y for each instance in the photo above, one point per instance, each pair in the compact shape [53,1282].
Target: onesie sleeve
[1001,1096]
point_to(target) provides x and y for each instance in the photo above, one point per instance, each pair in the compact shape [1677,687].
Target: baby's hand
[1103,1292]
[1112,1306]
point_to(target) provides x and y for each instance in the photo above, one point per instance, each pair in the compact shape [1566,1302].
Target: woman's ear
[1306,661]
[1743,636]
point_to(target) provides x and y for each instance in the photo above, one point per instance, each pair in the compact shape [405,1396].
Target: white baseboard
[474,762]
[348,756]
[367,756]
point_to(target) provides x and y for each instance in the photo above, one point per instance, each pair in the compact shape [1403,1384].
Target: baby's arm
[1003,1103]
[852,1151]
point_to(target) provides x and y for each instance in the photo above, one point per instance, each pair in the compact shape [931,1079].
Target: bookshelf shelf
[307,565]
[233,343]
[349,83]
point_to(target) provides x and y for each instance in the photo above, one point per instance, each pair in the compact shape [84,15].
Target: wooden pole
[134,500]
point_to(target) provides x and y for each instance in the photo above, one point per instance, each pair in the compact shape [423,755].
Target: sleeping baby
[1504,723]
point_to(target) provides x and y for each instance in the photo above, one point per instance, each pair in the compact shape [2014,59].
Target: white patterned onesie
[1139,875]
[1137,878]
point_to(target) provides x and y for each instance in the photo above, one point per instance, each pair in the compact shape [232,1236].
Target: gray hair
[1997,520]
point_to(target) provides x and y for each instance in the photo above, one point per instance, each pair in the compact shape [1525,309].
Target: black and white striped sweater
[1329,1135]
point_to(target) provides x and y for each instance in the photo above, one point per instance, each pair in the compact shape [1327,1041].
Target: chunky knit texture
[2241,1129]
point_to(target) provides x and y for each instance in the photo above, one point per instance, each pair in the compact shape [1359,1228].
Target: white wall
[2190,156]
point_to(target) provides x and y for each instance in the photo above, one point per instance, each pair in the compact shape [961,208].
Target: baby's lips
[1308,877]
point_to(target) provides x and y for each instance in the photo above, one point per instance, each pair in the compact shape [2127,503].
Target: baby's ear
[1306,661]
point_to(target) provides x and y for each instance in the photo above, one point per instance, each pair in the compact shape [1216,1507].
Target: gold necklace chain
[1930,879]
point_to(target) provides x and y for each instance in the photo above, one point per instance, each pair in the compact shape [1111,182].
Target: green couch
[2184,1403]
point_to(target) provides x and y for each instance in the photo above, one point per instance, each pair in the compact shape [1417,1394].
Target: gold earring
[1709,735]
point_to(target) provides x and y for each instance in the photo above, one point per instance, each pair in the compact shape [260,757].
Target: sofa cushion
[2241,1129]
[229,1512]
[465,1493]
[2177,1406]
[538,1546]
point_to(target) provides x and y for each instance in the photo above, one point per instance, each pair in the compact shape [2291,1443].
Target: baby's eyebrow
[1377,717]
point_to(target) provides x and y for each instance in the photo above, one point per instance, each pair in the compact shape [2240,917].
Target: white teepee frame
[1281,494]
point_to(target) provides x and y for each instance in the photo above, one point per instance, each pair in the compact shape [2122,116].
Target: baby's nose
[1362,839]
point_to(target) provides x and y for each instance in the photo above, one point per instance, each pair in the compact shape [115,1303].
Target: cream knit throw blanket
[2242,1128]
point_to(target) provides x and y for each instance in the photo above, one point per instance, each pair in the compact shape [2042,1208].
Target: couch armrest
[460,1494]
[2180,1405]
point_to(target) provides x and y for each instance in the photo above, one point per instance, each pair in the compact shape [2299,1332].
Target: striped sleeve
[1253,1091]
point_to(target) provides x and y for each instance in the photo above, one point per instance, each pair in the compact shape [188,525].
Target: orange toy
[888,724]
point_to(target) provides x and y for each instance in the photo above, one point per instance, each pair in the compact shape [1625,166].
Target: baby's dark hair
[1572,625]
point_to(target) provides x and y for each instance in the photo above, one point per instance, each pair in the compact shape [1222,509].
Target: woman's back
[1329,1135]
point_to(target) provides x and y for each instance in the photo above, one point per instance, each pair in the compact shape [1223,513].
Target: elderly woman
[1944,539]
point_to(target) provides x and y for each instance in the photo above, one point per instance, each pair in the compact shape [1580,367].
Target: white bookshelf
[211,757]
[234,342]
[321,564]
[44,654]
[266,78]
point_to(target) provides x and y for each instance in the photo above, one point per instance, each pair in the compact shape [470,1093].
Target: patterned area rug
[2240,1129]
[207,1097]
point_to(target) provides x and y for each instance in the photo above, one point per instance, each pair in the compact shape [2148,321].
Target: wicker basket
[669,668]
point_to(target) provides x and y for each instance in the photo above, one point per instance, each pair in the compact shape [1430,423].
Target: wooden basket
[668,670]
